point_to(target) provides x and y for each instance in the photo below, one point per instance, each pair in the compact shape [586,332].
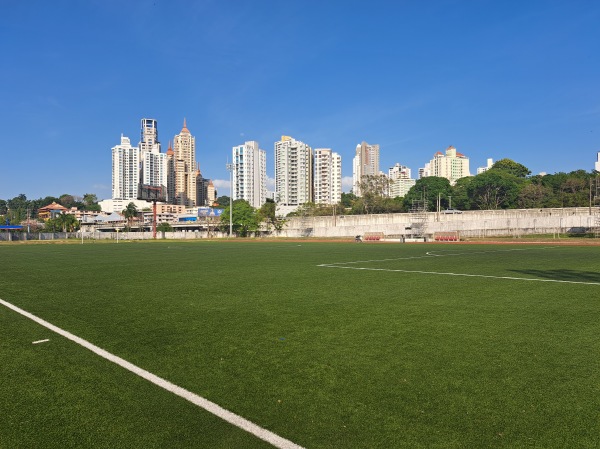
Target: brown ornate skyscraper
[184,147]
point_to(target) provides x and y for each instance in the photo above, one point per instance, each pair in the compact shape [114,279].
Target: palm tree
[130,213]
[67,222]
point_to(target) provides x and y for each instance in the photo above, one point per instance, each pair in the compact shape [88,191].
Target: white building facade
[400,180]
[365,162]
[293,172]
[489,164]
[327,176]
[249,174]
[597,164]
[153,163]
[425,171]
[451,165]
[155,169]
[125,170]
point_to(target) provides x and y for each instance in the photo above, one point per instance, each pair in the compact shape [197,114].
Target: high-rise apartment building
[366,162]
[597,164]
[249,174]
[328,176]
[155,170]
[202,191]
[184,147]
[211,192]
[293,172]
[400,181]
[153,163]
[451,165]
[125,170]
[149,137]
[170,175]
[135,166]
[399,171]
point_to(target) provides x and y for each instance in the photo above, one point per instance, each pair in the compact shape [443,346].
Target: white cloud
[270,184]
[347,183]
[221,184]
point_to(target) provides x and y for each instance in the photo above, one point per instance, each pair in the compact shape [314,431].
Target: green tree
[569,189]
[68,222]
[512,167]
[267,214]
[576,192]
[53,225]
[428,189]
[62,222]
[534,195]
[130,212]
[244,218]
[67,200]
[164,227]
[304,210]
[90,202]
[554,182]
[494,189]
[348,199]
[89,199]
[460,195]
[374,190]
[93,207]
[222,201]
[17,209]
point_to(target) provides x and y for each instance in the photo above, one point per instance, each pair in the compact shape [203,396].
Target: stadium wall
[469,223]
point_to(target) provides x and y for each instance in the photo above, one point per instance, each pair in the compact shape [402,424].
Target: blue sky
[509,79]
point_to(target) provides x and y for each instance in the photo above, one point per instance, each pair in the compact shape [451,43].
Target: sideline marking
[230,417]
[40,341]
[431,254]
[512,278]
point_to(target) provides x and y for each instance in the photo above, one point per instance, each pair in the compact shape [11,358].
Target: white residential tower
[328,176]
[293,172]
[249,174]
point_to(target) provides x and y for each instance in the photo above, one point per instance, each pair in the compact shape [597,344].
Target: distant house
[51,211]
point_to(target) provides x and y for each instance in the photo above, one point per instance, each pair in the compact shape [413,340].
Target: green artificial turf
[383,352]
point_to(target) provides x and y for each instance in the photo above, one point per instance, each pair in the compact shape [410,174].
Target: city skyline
[507,80]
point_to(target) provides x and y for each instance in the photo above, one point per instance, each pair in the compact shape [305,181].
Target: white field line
[201,402]
[460,274]
[40,341]
[432,254]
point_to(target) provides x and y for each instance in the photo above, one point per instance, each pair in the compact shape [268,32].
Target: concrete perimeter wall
[468,224]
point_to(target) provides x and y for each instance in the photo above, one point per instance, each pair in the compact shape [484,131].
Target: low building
[51,211]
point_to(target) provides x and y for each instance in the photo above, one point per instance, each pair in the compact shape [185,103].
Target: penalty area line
[511,278]
[201,402]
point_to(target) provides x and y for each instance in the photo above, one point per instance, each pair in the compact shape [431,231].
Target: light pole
[230,170]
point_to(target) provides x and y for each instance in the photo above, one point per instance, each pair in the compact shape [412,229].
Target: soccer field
[325,345]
